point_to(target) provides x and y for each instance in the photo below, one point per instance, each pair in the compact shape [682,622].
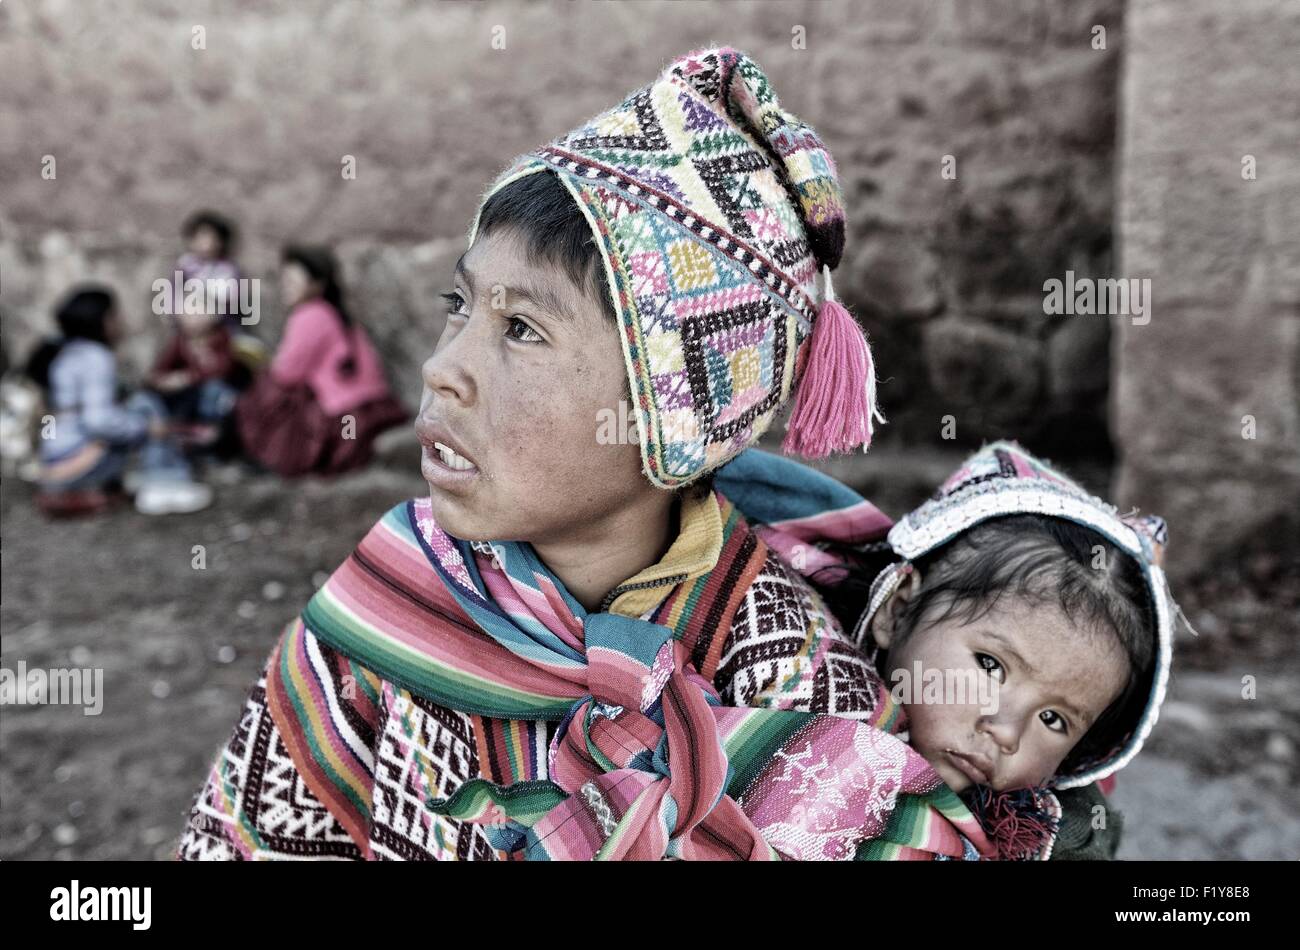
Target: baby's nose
[1005,731]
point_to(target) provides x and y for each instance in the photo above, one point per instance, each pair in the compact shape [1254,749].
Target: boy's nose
[447,372]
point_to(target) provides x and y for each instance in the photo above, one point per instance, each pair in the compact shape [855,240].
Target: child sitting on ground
[324,399]
[85,448]
[196,375]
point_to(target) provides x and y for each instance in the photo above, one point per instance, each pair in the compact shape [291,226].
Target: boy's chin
[466,524]
[451,516]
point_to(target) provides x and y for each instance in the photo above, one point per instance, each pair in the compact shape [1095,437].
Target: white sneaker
[172,497]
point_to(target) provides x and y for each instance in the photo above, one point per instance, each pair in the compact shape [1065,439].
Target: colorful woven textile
[646,761]
[713,209]
[798,510]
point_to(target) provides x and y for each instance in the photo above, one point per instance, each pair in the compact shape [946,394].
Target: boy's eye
[516,329]
[455,304]
[992,666]
[1051,716]
[521,331]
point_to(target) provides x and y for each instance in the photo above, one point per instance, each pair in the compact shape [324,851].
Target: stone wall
[946,273]
[1206,403]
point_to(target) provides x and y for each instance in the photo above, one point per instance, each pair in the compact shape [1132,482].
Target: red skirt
[285,429]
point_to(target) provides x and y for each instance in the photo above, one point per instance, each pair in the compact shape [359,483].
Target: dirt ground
[179,648]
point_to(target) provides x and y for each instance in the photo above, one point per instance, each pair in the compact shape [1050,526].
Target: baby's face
[521,380]
[1050,682]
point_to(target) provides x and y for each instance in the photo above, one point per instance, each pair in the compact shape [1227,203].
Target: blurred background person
[209,256]
[324,398]
[85,449]
[197,376]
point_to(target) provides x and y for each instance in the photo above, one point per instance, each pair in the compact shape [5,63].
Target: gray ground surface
[179,648]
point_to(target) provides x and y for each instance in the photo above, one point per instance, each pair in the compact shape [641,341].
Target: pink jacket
[312,350]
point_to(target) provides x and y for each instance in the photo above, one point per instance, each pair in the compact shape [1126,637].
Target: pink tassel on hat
[836,401]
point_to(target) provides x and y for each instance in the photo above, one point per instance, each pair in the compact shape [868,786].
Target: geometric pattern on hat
[713,209]
[1003,479]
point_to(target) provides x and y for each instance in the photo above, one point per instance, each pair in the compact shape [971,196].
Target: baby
[1022,626]
[1013,573]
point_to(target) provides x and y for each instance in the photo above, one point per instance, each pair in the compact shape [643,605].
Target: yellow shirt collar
[695,552]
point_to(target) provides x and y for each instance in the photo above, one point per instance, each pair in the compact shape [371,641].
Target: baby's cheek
[930,719]
[1037,771]
[1050,769]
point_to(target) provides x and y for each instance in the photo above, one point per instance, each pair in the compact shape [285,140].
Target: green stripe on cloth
[334,625]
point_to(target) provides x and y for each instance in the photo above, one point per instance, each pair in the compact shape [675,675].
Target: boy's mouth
[448,456]
[442,461]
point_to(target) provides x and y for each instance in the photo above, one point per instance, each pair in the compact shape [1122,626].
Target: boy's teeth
[451,459]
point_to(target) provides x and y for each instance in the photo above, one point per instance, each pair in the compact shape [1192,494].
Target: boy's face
[518,384]
[196,324]
[1050,682]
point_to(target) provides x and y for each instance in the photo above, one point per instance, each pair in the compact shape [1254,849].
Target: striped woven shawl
[646,762]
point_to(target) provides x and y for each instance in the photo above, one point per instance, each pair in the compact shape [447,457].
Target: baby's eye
[455,304]
[1050,716]
[521,331]
[992,667]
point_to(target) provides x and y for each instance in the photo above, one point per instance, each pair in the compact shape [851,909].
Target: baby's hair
[222,226]
[1046,560]
[554,231]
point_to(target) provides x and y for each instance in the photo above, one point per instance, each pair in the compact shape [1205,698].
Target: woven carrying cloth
[646,761]
[714,210]
[1003,479]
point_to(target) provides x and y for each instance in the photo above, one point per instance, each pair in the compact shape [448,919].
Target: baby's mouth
[974,769]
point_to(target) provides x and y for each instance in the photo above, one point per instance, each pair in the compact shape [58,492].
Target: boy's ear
[886,618]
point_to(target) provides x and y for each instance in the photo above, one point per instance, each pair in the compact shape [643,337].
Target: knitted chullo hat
[1003,479]
[714,209]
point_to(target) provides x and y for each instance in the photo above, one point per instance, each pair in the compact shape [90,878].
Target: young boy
[555,594]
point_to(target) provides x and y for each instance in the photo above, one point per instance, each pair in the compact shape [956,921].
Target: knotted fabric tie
[638,769]
[646,762]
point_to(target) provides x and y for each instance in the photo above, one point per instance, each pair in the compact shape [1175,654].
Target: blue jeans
[209,401]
